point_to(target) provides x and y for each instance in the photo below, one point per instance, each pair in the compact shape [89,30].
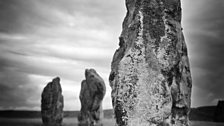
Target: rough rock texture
[52,104]
[150,78]
[219,112]
[91,96]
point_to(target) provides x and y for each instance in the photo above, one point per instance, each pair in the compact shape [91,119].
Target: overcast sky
[42,39]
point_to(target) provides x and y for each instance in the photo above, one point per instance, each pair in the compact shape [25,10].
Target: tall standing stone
[150,78]
[52,104]
[91,96]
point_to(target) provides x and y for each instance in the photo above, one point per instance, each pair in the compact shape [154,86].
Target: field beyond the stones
[73,122]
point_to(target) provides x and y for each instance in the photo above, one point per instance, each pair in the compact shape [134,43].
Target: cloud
[17,88]
[203,31]
[41,39]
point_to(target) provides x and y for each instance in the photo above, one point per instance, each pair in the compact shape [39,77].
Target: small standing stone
[52,104]
[91,96]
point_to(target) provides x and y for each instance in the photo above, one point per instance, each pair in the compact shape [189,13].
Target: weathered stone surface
[219,112]
[52,104]
[91,96]
[150,78]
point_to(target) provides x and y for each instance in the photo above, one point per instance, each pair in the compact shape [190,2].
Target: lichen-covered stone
[219,112]
[52,104]
[91,96]
[150,77]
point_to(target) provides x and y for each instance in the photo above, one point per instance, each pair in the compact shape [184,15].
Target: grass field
[73,122]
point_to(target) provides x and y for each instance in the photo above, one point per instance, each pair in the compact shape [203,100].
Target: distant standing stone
[219,112]
[91,96]
[150,75]
[52,104]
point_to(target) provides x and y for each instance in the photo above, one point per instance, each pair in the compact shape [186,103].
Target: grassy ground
[38,122]
[73,122]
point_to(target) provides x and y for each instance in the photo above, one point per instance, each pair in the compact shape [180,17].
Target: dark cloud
[23,16]
[206,45]
[16,89]
[109,11]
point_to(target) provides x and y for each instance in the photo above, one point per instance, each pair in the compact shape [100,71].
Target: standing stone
[91,96]
[219,112]
[150,78]
[52,104]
